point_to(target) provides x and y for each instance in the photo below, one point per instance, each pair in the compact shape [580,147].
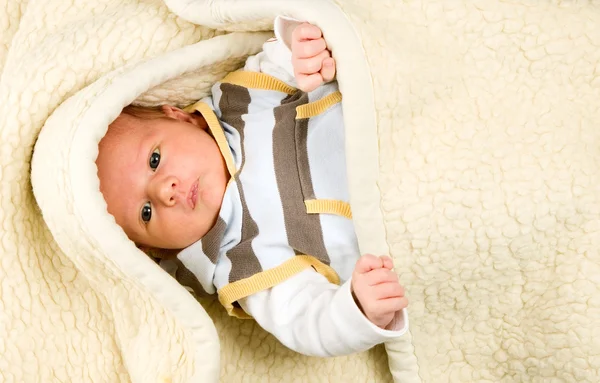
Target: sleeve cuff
[355,319]
[284,27]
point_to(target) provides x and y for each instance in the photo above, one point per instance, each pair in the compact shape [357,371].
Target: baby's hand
[377,290]
[312,62]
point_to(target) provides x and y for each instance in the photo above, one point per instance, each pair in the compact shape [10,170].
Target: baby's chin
[171,244]
[196,235]
[159,253]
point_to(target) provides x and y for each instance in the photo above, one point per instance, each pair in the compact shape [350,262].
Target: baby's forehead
[119,147]
[124,124]
[118,163]
[122,135]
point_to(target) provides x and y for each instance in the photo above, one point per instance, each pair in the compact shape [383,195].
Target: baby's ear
[181,115]
[176,113]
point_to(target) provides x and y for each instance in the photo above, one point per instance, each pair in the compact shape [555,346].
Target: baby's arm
[298,56]
[314,317]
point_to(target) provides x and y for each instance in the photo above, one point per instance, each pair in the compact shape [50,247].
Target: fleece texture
[473,152]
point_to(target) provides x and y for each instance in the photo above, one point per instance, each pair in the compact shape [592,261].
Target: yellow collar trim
[217,131]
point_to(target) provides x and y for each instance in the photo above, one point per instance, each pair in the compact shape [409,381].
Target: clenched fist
[312,61]
[377,290]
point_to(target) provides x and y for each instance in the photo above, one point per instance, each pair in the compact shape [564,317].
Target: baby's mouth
[193,195]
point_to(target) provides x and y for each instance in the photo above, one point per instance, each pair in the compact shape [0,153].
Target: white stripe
[341,244]
[198,263]
[326,155]
[215,99]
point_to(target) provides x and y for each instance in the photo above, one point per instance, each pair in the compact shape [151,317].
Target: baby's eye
[146,212]
[154,159]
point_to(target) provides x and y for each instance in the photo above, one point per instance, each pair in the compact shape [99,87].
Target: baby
[249,186]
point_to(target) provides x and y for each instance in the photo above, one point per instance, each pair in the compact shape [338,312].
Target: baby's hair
[144,112]
[133,116]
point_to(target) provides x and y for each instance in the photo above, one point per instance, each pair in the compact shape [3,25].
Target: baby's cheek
[190,229]
[169,231]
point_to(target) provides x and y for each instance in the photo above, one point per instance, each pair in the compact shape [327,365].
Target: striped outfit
[284,235]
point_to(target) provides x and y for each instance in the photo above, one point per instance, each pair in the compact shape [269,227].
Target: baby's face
[163,180]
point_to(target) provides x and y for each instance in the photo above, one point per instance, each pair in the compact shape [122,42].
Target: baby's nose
[167,191]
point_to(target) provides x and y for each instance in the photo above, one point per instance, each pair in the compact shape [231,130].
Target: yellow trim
[315,108]
[217,131]
[328,206]
[256,80]
[269,278]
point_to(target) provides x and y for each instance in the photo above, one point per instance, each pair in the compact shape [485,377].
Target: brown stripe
[293,179]
[244,263]
[185,277]
[211,243]
[301,134]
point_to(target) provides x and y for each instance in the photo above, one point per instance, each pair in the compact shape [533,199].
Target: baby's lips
[193,195]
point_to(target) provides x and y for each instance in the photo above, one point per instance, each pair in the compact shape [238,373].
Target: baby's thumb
[367,263]
[328,69]
[387,262]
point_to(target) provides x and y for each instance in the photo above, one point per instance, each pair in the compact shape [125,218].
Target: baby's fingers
[381,275]
[367,263]
[392,305]
[309,65]
[308,48]
[387,262]
[388,290]
[328,71]
[306,31]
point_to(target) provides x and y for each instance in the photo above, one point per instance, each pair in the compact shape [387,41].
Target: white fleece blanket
[473,151]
